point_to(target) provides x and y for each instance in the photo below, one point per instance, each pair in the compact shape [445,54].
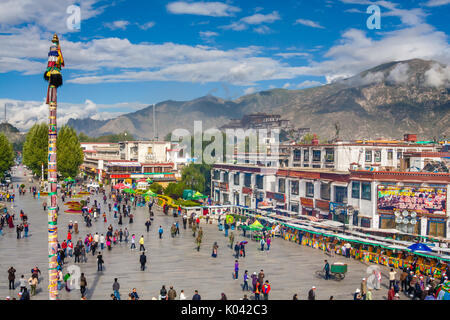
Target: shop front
[323,207]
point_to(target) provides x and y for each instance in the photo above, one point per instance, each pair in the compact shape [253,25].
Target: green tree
[156,188]
[6,154]
[35,148]
[69,152]
[175,190]
[193,178]
[69,155]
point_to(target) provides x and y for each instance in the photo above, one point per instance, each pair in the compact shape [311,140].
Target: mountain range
[384,102]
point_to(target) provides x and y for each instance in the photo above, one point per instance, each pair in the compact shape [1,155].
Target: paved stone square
[289,267]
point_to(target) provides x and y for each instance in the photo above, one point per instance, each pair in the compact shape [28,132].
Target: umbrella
[243,242]
[419,247]
[129,190]
[443,291]
[119,186]
[150,193]
[69,179]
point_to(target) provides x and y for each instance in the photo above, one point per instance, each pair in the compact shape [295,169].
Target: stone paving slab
[289,267]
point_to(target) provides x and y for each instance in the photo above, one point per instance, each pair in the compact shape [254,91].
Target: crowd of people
[119,207]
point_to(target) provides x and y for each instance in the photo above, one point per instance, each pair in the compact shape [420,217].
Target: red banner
[246,190]
[322,204]
[306,202]
[120,176]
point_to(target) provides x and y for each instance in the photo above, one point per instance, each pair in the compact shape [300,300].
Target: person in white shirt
[182,296]
[392,275]
[102,241]
[23,283]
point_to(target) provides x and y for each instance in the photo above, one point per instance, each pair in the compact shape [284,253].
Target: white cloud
[38,111]
[263,30]
[147,25]
[410,17]
[212,9]
[47,15]
[255,19]
[208,34]
[287,55]
[308,84]
[438,76]
[437,3]
[399,74]
[259,18]
[287,85]
[250,90]
[309,23]
[356,52]
[119,24]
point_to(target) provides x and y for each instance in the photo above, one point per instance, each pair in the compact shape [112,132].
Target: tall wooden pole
[53,75]
[53,181]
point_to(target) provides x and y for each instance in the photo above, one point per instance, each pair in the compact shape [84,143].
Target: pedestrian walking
[245,284]
[326,269]
[312,293]
[266,289]
[116,288]
[160,232]
[100,262]
[141,243]
[172,294]
[133,242]
[148,224]
[236,270]
[143,260]
[11,277]
[83,285]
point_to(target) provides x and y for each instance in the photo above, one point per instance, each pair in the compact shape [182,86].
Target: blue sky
[128,54]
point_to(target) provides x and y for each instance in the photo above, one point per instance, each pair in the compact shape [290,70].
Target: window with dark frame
[316,155]
[297,155]
[310,189]
[236,179]
[329,155]
[306,155]
[390,154]
[355,189]
[248,180]
[281,185]
[340,194]
[325,191]
[366,191]
[295,187]
[377,155]
[259,182]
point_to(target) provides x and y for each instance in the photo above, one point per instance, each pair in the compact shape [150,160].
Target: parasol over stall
[120,186]
[420,247]
[443,291]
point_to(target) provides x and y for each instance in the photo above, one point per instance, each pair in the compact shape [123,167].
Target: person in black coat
[143,261]
[100,262]
[25,295]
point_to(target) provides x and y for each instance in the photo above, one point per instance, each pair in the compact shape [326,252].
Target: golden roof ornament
[55,38]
